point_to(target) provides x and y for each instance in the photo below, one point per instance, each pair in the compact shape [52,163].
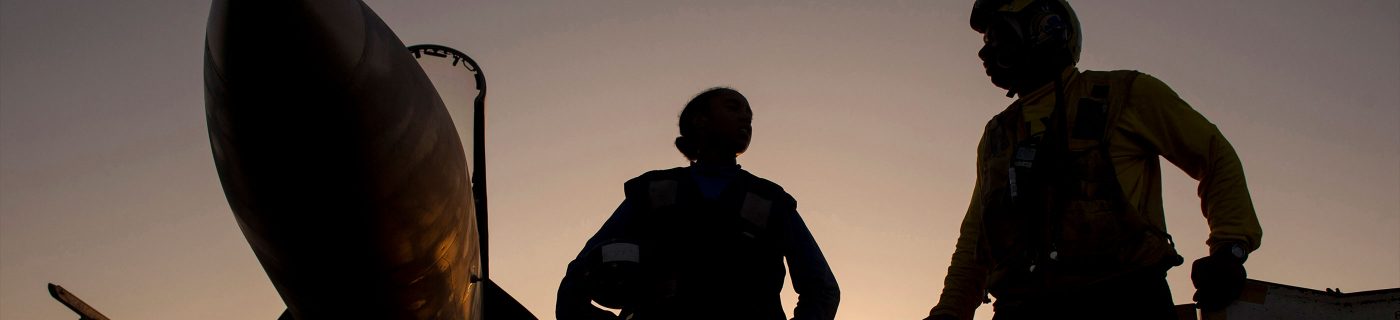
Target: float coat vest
[708,258]
[1054,216]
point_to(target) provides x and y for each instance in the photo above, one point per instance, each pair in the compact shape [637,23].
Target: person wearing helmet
[707,241]
[1066,218]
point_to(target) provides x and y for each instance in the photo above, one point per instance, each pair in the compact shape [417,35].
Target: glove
[1219,279]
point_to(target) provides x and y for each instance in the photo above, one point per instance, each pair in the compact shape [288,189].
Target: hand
[1219,279]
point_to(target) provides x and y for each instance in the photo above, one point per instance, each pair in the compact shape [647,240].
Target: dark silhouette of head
[716,125]
[1026,43]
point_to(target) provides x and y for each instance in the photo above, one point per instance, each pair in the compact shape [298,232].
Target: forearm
[573,301]
[819,303]
[963,287]
[818,295]
[1225,200]
[1192,143]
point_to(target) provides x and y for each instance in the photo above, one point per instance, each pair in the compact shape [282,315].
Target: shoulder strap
[655,189]
[1109,92]
[761,199]
[1096,112]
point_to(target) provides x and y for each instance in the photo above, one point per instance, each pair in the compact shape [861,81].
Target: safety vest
[705,258]
[1054,215]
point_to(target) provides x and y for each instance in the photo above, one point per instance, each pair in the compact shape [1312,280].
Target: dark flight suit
[712,244]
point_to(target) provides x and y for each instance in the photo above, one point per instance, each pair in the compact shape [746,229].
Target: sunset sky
[868,112]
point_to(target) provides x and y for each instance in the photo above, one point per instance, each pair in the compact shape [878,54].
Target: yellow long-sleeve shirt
[1153,122]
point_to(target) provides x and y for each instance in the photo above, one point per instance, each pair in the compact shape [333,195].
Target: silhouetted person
[705,241]
[1066,218]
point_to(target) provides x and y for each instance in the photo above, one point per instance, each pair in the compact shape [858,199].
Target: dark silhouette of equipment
[342,165]
[84,311]
[478,171]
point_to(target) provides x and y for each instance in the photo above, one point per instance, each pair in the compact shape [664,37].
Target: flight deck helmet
[1045,31]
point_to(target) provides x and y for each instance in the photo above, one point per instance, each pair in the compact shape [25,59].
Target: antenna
[84,311]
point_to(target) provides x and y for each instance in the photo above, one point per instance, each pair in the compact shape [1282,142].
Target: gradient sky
[868,112]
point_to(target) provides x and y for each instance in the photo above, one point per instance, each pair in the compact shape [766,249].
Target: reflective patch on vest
[621,251]
[1025,157]
[756,210]
[663,193]
[1011,180]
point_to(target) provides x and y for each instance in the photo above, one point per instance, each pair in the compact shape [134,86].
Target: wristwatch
[1233,250]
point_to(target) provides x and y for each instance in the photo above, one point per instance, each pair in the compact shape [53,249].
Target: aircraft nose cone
[251,39]
[340,162]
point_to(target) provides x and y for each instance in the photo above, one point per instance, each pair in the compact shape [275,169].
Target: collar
[1048,89]
[1037,106]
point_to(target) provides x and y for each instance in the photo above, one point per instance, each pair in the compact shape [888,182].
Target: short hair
[694,109]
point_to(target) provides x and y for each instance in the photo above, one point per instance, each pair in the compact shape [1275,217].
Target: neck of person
[722,167]
[718,161]
[1033,84]
[715,158]
[1040,79]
